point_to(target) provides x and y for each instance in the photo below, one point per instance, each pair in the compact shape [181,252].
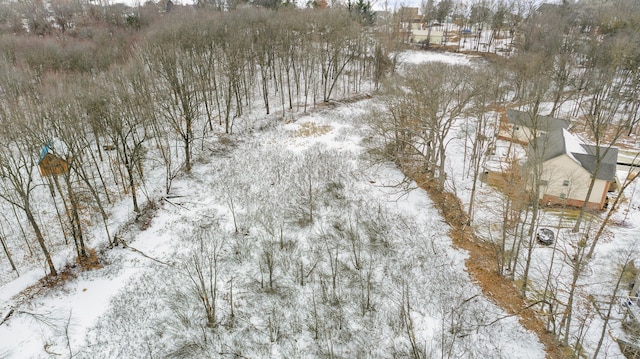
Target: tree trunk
[612,302]
[8,254]
[577,268]
[75,219]
[40,238]
[612,208]
[105,218]
[583,209]
[187,143]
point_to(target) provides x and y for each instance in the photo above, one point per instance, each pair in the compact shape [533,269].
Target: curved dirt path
[481,265]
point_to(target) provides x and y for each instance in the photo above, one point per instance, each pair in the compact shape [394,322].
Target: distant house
[548,8]
[52,163]
[409,18]
[420,36]
[567,168]
[522,128]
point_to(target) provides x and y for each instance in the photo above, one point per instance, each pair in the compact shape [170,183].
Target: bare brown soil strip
[49,283]
[482,265]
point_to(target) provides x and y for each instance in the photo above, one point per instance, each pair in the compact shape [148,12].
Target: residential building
[568,166]
[522,127]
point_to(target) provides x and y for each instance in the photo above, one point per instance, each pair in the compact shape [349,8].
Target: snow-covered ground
[415,57]
[317,250]
[598,278]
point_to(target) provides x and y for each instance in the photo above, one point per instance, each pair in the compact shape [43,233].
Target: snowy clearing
[351,280]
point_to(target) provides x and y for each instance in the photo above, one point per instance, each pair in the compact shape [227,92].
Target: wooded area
[111,90]
[584,54]
[183,77]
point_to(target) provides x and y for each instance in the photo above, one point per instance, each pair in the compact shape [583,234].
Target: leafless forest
[111,90]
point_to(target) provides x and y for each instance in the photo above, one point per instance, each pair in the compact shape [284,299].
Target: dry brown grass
[65,274]
[482,265]
[50,283]
[91,262]
[311,129]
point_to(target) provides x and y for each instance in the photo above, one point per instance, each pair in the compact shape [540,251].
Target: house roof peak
[561,141]
[54,146]
[536,122]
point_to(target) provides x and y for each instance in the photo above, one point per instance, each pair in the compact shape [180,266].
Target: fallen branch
[125,245]
[179,205]
[514,314]
[6,315]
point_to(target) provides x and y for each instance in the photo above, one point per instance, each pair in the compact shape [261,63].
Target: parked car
[545,236]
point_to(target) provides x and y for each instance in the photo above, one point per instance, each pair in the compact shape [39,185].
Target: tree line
[173,84]
[573,60]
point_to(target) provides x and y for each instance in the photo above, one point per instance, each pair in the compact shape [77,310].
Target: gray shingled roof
[555,144]
[608,162]
[541,123]
[551,145]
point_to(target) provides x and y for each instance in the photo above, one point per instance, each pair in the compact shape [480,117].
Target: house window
[516,128]
[563,196]
[565,183]
[544,182]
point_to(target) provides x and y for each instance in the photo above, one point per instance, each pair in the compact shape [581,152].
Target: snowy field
[292,240]
[302,244]
[415,57]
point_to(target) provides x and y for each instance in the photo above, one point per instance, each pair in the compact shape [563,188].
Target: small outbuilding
[52,163]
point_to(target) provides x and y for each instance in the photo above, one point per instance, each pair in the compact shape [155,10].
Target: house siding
[419,35]
[523,135]
[561,168]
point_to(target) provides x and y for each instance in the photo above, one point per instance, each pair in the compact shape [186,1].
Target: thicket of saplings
[112,94]
[97,80]
[320,265]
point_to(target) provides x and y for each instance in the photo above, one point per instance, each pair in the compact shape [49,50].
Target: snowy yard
[316,250]
[552,266]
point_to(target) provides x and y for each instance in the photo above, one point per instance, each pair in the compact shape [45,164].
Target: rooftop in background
[540,123]
[409,14]
[561,141]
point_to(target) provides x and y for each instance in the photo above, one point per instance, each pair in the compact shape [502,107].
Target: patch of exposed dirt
[311,129]
[91,262]
[71,270]
[482,264]
[146,215]
[489,56]
[50,283]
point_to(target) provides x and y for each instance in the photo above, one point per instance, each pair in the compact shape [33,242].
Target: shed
[52,163]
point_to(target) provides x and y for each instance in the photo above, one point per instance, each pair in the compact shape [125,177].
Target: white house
[522,128]
[435,36]
[568,166]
